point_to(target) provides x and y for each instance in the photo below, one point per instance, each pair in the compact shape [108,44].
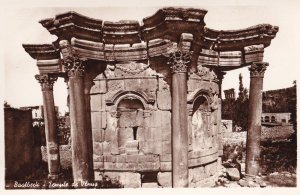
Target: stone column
[47,82]
[178,61]
[220,76]
[257,71]
[79,136]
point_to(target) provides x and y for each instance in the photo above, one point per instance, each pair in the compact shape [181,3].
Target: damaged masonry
[145,100]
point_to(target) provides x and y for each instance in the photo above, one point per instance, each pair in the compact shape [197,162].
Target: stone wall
[131,125]
[22,154]
[267,133]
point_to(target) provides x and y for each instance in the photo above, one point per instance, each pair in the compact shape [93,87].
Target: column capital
[257,69]
[46,81]
[73,66]
[179,61]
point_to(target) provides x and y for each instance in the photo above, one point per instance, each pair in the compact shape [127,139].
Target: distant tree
[240,114]
[6,105]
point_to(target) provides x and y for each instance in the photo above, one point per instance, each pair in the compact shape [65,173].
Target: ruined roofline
[158,26]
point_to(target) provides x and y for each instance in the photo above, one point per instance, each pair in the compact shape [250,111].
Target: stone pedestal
[179,61]
[81,165]
[47,82]
[257,71]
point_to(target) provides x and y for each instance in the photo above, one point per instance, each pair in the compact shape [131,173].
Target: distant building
[277,105]
[229,94]
[276,118]
[38,111]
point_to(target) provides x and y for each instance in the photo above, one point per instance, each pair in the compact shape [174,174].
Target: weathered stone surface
[196,174]
[97,148]
[164,100]
[166,147]
[97,135]
[98,120]
[163,85]
[166,166]
[150,185]
[164,179]
[106,147]
[115,85]
[145,84]
[128,179]
[233,174]
[97,102]
[211,169]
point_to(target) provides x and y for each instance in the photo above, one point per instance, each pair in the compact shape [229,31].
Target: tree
[240,114]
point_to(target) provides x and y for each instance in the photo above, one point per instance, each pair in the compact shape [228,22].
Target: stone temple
[145,97]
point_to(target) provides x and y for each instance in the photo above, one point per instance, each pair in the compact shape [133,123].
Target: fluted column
[179,61]
[81,166]
[47,82]
[257,71]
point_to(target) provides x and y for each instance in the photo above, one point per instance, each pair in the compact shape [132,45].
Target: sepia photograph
[156,95]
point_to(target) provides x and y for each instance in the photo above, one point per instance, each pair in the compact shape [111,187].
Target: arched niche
[201,119]
[130,111]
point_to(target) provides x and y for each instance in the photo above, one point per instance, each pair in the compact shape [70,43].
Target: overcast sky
[21,26]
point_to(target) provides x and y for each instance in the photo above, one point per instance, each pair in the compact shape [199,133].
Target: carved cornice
[179,61]
[73,66]
[258,69]
[42,51]
[46,81]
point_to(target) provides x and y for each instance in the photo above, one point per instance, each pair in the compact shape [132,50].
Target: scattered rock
[243,182]
[233,174]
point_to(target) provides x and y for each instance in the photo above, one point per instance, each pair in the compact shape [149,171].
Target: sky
[20,25]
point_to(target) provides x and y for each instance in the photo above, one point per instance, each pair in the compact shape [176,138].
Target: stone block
[115,85]
[124,135]
[164,100]
[132,158]
[95,120]
[97,135]
[111,122]
[96,102]
[102,86]
[106,148]
[233,174]
[166,158]
[98,165]
[131,151]
[127,119]
[211,169]
[98,175]
[166,166]
[166,147]
[141,84]
[150,185]
[97,158]
[128,179]
[164,179]
[196,174]
[95,88]
[163,85]
[97,148]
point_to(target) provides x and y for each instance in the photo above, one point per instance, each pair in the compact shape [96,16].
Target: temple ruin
[145,97]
